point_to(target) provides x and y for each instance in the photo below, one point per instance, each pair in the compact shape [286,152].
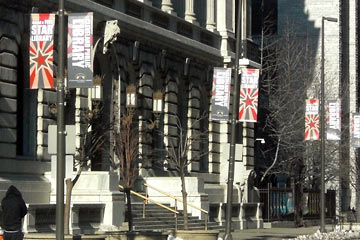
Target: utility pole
[322,125]
[235,108]
[60,157]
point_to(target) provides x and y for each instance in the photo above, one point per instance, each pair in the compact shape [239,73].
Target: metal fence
[278,203]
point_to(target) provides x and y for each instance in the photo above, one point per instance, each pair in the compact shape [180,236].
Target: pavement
[274,233]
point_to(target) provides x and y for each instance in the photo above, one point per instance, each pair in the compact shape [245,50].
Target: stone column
[40,124]
[189,12]
[244,20]
[210,15]
[167,6]
[225,24]
[78,119]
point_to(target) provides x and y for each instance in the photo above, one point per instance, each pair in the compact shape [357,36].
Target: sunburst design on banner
[312,127]
[41,63]
[41,51]
[248,104]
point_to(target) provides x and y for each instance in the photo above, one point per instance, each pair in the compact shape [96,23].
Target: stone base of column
[169,10]
[191,18]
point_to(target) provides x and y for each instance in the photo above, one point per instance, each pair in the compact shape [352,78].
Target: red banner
[249,93]
[312,120]
[41,50]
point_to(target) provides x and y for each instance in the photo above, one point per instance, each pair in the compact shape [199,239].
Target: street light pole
[322,126]
[235,105]
[60,159]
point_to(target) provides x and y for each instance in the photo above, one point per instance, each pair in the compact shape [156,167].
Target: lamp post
[60,158]
[235,105]
[322,124]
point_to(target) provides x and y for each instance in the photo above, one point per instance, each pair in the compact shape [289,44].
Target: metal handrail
[150,200]
[155,202]
[180,200]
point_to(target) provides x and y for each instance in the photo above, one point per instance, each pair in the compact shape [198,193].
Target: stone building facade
[167,46]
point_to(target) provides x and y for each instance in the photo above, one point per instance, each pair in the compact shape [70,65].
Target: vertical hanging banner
[355,133]
[80,41]
[249,93]
[221,94]
[41,50]
[333,126]
[312,120]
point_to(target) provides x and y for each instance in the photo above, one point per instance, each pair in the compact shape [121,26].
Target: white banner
[333,126]
[355,136]
[220,101]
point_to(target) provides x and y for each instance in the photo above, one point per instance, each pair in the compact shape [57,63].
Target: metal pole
[322,134]
[322,126]
[60,163]
[235,104]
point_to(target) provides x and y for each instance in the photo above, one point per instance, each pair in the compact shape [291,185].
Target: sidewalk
[274,233]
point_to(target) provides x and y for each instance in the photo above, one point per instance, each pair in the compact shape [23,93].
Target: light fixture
[96,91]
[131,100]
[262,140]
[157,102]
[157,106]
[96,97]
[53,108]
[131,96]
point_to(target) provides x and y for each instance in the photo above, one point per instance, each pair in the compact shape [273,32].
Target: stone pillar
[167,6]
[189,12]
[225,25]
[210,15]
[244,20]
[78,119]
[40,125]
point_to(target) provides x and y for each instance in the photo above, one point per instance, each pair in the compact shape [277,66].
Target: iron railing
[278,203]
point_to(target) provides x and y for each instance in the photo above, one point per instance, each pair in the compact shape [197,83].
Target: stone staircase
[158,218]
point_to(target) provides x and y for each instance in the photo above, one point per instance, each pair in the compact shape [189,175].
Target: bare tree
[287,72]
[127,151]
[178,150]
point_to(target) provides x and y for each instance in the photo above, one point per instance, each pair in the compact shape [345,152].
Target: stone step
[172,222]
[158,218]
[180,226]
[139,206]
[136,214]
